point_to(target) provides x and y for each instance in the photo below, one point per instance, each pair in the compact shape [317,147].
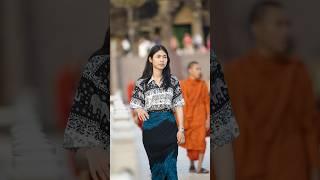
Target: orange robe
[274,105]
[196,112]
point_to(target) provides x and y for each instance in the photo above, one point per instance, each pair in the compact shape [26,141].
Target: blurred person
[187,43]
[176,64]
[126,46]
[157,95]
[173,43]
[196,116]
[198,41]
[87,131]
[157,39]
[224,128]
[274,103]
[66,84]
[144,47]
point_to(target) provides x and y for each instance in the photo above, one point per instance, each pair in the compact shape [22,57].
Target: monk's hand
[180,137]
[98,160]
[142,114]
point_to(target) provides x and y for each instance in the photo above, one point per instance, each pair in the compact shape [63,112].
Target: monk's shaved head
[270,27]
[192,63]
[259,10]
[194,70]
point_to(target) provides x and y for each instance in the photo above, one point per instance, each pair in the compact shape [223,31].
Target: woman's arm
[224,163]
[179,114]
[180,134]
[85,133]
[178,103]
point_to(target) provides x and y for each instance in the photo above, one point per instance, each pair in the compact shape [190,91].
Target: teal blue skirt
[160,143]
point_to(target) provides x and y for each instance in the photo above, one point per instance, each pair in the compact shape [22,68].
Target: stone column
[13,57]
[166,19]
[197,18]
[115,66]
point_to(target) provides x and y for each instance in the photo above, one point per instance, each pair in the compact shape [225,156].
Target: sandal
[203,171]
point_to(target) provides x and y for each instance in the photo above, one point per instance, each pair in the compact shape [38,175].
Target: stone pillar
[197,18]
[114,79]
[13,57]
[166,19]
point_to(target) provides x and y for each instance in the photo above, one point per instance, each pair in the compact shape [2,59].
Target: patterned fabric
[152,97]
[162,151]
[88,123]
[224,127]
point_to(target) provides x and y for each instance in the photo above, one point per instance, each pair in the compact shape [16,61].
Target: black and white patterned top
[152,97]
[224,128]
[88,123]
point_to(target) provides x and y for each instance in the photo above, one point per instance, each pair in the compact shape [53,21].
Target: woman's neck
[157,74]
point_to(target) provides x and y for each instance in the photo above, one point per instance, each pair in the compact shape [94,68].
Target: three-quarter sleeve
[138,99]
[88,122]
[177,99]
[224,128]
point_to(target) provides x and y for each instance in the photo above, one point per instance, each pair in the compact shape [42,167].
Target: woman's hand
[180,137]
[99,164]
[142,114]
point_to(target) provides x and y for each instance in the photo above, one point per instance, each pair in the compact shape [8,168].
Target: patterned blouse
[224,128]
[88,123]
[152,97]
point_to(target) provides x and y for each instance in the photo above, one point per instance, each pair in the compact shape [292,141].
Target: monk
[274,104]
[197,116]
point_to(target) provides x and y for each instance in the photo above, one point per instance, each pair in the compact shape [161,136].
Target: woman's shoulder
[97,59]
[174,79]
[96,72]
[140,82]
[95,62]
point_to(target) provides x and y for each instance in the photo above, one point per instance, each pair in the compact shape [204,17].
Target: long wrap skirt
[160,143]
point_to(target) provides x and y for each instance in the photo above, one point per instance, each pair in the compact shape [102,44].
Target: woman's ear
[150,59]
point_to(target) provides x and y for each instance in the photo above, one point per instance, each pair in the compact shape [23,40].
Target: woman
[224,128]
[87,130]
[156,95]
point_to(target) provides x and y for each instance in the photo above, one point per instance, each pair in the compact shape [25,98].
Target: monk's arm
[224,163]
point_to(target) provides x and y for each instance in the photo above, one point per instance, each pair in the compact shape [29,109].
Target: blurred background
[231,36]
[136,25]
[43,47]
[269,133]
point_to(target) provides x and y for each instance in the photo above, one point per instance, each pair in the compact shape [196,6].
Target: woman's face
[159,60]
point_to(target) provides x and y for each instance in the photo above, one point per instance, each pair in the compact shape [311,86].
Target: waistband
[162,110]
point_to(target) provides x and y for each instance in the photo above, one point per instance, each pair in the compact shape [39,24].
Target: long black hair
[105,49]
[148,69]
